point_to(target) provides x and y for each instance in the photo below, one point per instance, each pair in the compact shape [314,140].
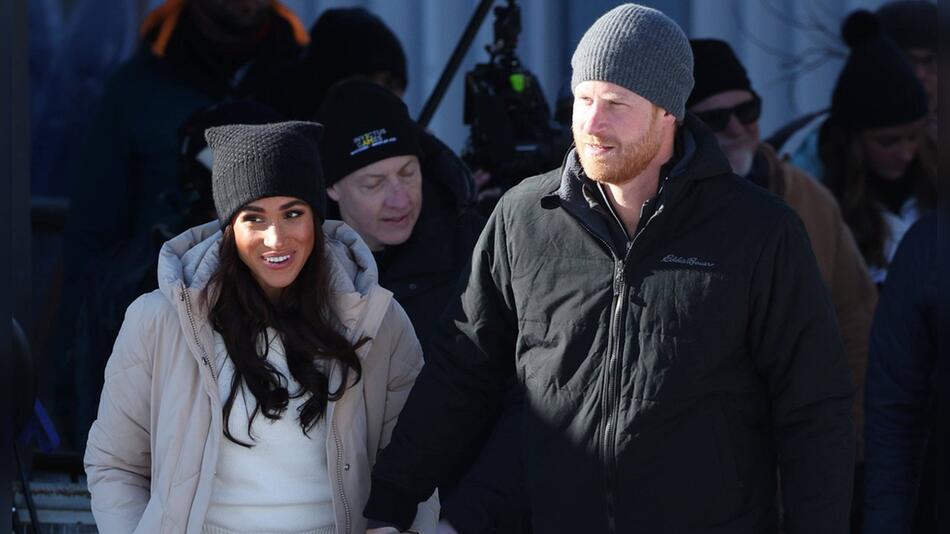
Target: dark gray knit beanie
[251,162]
[640,49]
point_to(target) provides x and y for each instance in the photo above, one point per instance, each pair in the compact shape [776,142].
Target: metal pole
[27,494]
[454,61]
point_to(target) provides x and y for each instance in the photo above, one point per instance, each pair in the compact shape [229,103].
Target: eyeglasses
[747,113]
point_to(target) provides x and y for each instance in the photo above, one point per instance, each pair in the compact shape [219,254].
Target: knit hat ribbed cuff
[640,49]
[269,160]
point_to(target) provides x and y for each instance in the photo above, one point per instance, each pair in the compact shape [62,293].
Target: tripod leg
[27,494]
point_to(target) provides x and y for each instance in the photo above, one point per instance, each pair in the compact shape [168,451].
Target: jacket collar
[700,158]
[774,170]
[429,250]
[187,262]
[446,172]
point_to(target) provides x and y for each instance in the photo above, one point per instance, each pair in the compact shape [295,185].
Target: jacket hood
[702,157]
[190,259]
[445,170]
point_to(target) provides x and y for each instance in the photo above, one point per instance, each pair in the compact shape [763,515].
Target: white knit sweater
[280,484]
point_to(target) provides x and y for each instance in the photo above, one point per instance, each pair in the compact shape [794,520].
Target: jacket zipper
[618,289]
[194,332]
[339,476]
[612,371]
[611,396]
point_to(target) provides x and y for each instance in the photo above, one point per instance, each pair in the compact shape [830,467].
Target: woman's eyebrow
[291,204]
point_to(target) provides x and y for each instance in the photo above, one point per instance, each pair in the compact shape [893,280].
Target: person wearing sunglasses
[723,98]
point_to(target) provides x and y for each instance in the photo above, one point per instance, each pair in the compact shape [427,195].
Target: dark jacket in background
[423,272]
[908,380]
[484,490]
[664,384]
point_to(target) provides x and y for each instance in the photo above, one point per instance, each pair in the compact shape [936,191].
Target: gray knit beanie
[640,49]
[250,162]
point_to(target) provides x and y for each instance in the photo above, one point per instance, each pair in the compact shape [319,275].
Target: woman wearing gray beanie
[252,391]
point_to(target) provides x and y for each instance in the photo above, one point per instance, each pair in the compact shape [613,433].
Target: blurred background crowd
[831,105]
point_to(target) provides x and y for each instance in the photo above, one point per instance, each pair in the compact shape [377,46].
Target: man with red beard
[665,318]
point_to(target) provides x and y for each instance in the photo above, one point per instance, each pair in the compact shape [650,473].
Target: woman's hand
[445,528]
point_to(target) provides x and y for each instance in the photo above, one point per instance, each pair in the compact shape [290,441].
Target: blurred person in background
[193,53]
[129,268]
[345,44]
[403,199]
[349,44]
[912,25]
[871,149]
[907,398]
[724,99]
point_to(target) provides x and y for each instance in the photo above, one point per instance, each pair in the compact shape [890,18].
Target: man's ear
[333,193]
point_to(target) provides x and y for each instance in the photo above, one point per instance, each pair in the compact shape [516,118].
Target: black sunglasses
[747,113]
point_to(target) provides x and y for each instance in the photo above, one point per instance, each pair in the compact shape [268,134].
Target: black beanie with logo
[364,123]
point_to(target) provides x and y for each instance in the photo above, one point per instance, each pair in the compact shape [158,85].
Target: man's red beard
[621,163]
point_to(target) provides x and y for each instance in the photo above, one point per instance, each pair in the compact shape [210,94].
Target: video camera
[512,134]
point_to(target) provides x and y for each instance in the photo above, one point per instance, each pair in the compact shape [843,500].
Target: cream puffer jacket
[152,451]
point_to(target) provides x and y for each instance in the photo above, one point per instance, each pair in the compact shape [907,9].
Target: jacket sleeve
[459,388]
[492,495]
[855,297]
[898,392]
[799,354]
[406,361]
[118,453]
[491,492]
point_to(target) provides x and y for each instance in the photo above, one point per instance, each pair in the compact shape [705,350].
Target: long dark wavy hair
[846,175]
[301,316]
